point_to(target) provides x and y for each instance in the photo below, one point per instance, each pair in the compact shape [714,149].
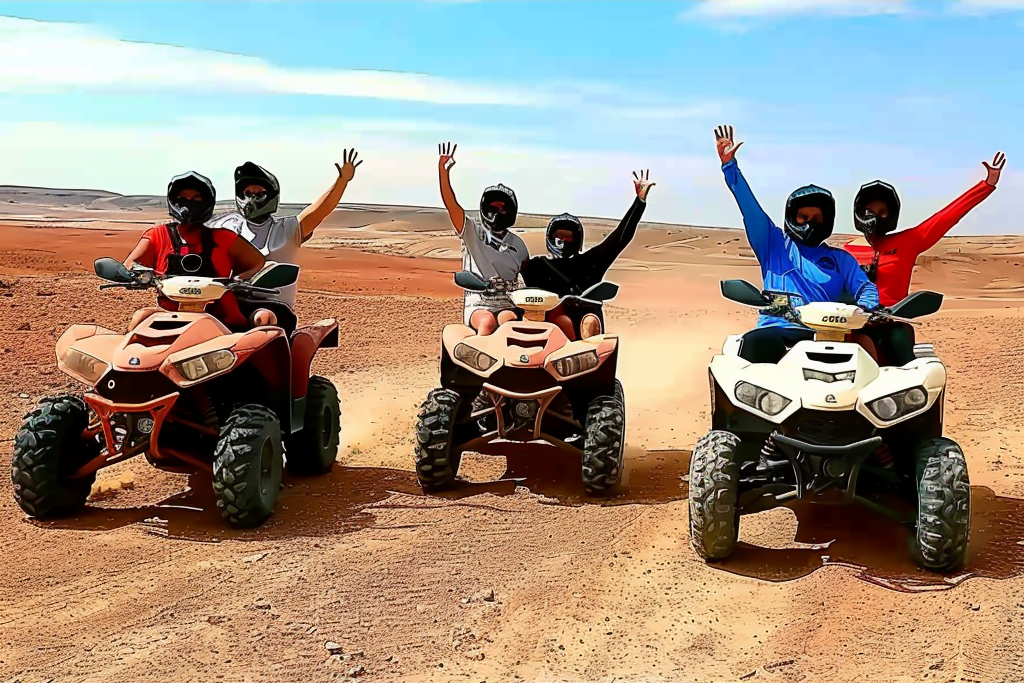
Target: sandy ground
[515,575]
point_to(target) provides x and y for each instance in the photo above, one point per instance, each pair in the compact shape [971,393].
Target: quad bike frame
[189,394]
[536,384]
[828,424]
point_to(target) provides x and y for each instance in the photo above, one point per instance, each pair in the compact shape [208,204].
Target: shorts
[473,301]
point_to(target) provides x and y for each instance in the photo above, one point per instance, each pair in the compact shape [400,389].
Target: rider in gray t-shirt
[257,195]
[489,248]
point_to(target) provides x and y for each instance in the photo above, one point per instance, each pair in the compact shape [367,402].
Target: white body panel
[870,382]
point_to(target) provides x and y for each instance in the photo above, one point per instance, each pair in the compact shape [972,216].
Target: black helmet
[191,212]
[868,223]
[495,221]
[557,247]
[262,204]
[810,234]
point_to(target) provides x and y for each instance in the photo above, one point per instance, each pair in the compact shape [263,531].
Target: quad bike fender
[84,352]
[928,373]
[729,371]
[603,345]
[455,334]
[731,347]
[306,341]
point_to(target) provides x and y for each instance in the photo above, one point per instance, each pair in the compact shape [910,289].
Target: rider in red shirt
[888,259]
[222,253]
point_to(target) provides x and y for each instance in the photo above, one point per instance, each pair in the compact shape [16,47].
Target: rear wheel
[605,442]
[943,506]
[714,490]
[314,449]
[436,464]
[48,448]
[248,464]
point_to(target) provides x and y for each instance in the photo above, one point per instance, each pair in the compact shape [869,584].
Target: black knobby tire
[619,393]
[943,506]
[713,496]
[313,451]
[247,465]
[436,464]
[48,447]
[605,429]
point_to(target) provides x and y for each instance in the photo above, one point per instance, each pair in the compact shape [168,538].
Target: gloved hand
[879,314]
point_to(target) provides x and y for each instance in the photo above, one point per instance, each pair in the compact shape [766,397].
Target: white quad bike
[828,424]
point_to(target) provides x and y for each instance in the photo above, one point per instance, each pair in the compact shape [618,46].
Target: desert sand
[516,575]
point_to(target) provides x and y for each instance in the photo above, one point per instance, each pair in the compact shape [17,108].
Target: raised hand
[642,184]
[724,142]
[995,169]
[347,170]
[446,160]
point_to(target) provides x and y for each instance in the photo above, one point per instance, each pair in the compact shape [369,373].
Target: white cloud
[732,9]
[985,7]
[401,168]
[48,56]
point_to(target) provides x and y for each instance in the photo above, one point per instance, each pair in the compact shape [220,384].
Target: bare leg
[483,322]
[590,326]
[564,324]
[262,317]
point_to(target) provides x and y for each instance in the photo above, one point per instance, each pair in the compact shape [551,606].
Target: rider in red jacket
[888,259]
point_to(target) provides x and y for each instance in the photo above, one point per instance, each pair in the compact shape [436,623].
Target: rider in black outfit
[570,271]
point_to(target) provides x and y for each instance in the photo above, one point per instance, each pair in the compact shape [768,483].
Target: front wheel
[713,497]
[313,450]
[605,443]
[247,465]
[436,464]
[943,506]
[49,447]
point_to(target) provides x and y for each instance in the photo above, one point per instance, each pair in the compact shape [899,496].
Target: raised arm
[444,166]
[317,212]
[618,239]
[758,226]
[927,234]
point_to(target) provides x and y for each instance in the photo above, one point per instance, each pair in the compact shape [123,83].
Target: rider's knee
[590,326]
[262,317]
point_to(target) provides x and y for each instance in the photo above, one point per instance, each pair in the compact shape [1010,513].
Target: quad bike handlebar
[599,293]
[139,278]
[781,304]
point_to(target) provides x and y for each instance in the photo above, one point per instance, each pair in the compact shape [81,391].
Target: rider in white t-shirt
[489,248]
[257,195]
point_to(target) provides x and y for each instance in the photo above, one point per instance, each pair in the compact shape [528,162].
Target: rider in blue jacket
[794,260]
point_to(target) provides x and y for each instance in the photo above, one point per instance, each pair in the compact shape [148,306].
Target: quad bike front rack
[114,451]
[535,405]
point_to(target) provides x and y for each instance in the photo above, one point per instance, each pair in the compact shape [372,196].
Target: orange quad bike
[536,384]
[189,394]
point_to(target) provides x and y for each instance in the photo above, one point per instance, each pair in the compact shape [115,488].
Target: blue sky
[561,100]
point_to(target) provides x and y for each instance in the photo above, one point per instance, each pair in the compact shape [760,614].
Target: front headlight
[478,360]
[767,402]
[88,367]
[207,364]
[576,363]
[829,377]
[897,405]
